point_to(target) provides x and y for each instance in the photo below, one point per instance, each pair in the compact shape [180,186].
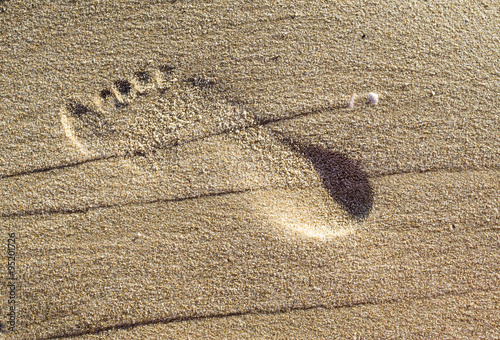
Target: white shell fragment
[352,101]
[373,98]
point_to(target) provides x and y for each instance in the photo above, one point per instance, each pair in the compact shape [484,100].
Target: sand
[179,169]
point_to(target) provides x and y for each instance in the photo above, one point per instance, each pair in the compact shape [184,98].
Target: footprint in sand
[151,117]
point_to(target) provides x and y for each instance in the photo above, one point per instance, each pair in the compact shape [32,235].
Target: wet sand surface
[178,169]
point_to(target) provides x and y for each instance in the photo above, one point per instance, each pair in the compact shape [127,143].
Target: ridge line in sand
[122,204]
[283,310]
[214,194]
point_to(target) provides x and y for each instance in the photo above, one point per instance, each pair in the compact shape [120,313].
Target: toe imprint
[153,109]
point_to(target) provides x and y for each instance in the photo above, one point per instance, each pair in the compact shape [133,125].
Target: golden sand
[179,169]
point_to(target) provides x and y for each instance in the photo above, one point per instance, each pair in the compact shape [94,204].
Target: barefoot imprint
[148,117]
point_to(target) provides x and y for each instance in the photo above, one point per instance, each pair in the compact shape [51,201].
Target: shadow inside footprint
[346,183]
[77,109]
[123,86]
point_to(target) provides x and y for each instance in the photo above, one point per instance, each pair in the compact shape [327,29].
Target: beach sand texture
[190,169]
